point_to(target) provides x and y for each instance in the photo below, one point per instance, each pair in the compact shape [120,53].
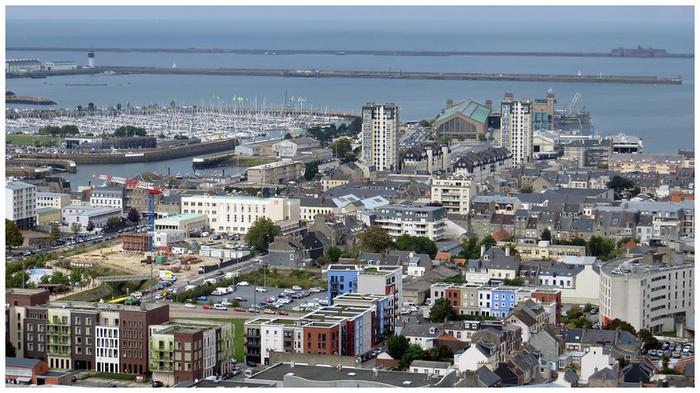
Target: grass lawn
[238,342]
[31,140]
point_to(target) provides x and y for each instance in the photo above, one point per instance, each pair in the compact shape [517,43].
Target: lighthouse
[91,59]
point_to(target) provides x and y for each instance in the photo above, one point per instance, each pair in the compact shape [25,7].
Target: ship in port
[638,52]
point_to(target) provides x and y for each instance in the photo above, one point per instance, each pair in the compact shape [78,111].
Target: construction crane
[570,109]
[151,209]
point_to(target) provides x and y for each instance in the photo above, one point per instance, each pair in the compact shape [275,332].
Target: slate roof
[637,373]
[21,362]
[421,330]
[603,374]
[430,364]
[488,377]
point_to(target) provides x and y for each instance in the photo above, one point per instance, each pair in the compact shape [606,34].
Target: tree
[13,237]
[114,222]
[413,352]
[287,136]
[512,249]
[619,185]
[647,338]
[310,170]
[127,131]
[90,226]
[588,307]
[55,232]
[133,215]
[470,248]
[374,239]
[546,235]
[75,277]
[10,349]
[342,149]
[425,123]
[600,247]
[333,253]
[16,280]
[526,189]
[443,352]
[75,227]
[517,281]
[441,310]
[618,324]
[488,242]
[396,346]
[417,244]
[261,234]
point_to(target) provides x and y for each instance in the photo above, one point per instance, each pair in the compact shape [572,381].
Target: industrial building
[464,120]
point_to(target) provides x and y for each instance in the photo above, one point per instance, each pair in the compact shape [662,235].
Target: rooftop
[18,185]
[182,216]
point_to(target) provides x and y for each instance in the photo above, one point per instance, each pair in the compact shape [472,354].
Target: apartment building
[485,164]
[429,158]
[652,291]
[427,221]
[113,196]
[529,250]
[17,299]
[278,172]
[20,204]
[516,128]
[377,280]
[236,214]
[453,193]
[380,137]
[646,163]
[189,350]
[52,199]
[351,327]
[65,334]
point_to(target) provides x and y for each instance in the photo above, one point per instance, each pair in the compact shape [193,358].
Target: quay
[228,159]
[20,161]
[403,75]
[629,53]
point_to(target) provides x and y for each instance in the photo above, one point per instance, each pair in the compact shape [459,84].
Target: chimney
[507,251]
[483,250]
[450,103]
[489,104]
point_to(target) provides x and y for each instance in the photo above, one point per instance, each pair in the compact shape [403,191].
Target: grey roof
[21,362]
[421,330]
[487,377]
[329,374]
[561,269]
[430,364]
[18,185]
[603,374]
[502,263]
[599,336]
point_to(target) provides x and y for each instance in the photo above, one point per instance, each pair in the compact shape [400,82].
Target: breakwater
[629,53]
[143,155]
[404,75]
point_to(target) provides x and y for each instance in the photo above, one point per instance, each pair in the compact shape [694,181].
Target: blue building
[341,279]
[503,299]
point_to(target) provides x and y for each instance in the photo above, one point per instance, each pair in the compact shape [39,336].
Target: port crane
[152,192]
[570,109]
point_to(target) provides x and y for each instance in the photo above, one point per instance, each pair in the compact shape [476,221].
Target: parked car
[297,288]
[241,299]
[268,311]
[190,305]
[220,306]
[281,312]
[202,299]
[260,289]
[253,310]
[206,307]
[235,371]
[243,283]
[157,384]
[239,309]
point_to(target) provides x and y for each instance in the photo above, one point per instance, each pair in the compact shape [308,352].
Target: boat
[109,72]
[133,155]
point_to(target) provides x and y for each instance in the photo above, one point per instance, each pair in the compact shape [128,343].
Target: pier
[403,75]
[229,159]
[619,52]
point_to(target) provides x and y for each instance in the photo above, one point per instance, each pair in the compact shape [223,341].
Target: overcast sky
[636,14]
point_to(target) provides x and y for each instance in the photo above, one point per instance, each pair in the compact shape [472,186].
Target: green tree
[647,338]
[55,232]
[13,237]
[396,346]
[602,248]
[417,244]
[517,281]
[10,350]
[441,310]
[374,239]
[413,352]
[333,253]
[287,136]
[546,235]
[114,222]
[526,189]
[470,248]
[133,215]
[75,227]
[90,226]
[261,234]
[425,123]
[619,185]
[311,170]
[442,352]
[617,323]
[75,277]
[16,280]
[128,131]
[588,307]
[342,148]
[488,242]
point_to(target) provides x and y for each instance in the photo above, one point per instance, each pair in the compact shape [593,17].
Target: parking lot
[678,349]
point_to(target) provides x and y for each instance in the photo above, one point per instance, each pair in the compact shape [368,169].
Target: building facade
[20,204]
[427,221]
[516,128]
[380,137]
[52,199]
[454,194]
[278,172]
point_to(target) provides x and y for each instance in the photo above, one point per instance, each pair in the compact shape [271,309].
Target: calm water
[662,115]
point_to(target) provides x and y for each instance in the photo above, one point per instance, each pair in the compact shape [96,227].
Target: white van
[220,291]
[220,307]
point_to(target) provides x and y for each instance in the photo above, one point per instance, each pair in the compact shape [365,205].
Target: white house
[595,359]
[423,334]
[430,367]
[476,356]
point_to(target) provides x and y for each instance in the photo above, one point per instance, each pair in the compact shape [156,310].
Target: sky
[577,15]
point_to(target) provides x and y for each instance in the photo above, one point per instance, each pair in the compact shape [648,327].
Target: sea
[662,115]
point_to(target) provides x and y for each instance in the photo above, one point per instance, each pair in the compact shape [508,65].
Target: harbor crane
[570,109]
[151,210]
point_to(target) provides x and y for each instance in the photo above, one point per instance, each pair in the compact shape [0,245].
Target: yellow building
[45,216]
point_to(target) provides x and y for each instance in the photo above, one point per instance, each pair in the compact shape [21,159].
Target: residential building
[588,152]
[453,193]
[626,144]
[423,334]
[414,220]
[485,164]
[463,120]
[650,291]
[516,128]
[597,358]
[428,158]
[20,204]
[236,214]
[430,367]
[543,112]
[108,197]
[52,199]
[83,215]
[380,137]
[278,172]
[46,216]
[377,280]
[646,163]
[17,299]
